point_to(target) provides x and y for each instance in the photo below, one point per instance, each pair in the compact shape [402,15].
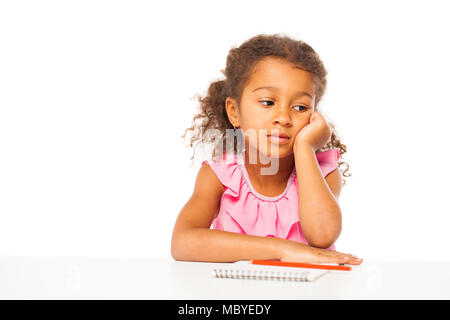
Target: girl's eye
[302,107]
[266,101]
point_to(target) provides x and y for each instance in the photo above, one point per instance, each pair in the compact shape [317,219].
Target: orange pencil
[300,265]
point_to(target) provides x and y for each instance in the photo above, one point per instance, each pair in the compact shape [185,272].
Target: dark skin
[273,108]
[192,238]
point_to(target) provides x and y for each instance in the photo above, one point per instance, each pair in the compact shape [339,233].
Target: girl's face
[279,96]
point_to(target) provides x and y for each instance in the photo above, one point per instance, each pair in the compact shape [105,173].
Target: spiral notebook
[246,270]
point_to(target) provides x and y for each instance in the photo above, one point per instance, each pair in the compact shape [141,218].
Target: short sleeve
[227,171]
[328,160]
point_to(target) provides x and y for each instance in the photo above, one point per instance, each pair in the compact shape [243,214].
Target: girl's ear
[232,110]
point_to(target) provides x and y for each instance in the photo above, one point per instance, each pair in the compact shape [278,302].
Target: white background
[95,95]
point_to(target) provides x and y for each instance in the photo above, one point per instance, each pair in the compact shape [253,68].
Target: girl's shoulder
[226,169]
[328,160]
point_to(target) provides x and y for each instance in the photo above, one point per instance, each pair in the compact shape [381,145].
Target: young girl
[272,88]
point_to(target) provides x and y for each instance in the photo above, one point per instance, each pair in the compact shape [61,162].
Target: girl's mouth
[277,139]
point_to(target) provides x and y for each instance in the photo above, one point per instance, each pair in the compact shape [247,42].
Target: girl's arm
[319,210]
[193,240]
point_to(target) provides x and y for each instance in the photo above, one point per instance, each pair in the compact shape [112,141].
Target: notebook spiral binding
[260,274]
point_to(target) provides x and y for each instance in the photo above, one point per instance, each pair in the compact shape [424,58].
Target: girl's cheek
[305,122]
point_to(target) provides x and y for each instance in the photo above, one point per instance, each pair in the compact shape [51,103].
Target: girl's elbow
[178,252]
[175,252]
[322,241]
[177,249]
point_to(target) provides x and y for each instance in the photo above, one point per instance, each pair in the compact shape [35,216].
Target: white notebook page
[246,270]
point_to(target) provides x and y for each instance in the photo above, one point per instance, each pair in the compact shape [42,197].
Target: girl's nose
[282,117]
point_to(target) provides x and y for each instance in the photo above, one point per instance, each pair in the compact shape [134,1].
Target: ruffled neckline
[241,165]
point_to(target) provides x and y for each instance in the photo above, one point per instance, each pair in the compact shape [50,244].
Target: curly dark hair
[239,66]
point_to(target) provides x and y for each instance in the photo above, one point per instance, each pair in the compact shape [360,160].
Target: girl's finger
[347,255]
[343,257]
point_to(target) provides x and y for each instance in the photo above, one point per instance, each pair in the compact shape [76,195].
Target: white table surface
[136,278]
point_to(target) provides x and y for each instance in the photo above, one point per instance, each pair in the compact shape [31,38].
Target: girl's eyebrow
[299,93]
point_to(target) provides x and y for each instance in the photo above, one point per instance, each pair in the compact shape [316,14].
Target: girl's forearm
[319,212]
[210,245]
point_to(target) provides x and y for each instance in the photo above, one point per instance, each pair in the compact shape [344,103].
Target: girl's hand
[315,134]
[298,252]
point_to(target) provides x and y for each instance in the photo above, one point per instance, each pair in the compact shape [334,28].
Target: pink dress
[243,210]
